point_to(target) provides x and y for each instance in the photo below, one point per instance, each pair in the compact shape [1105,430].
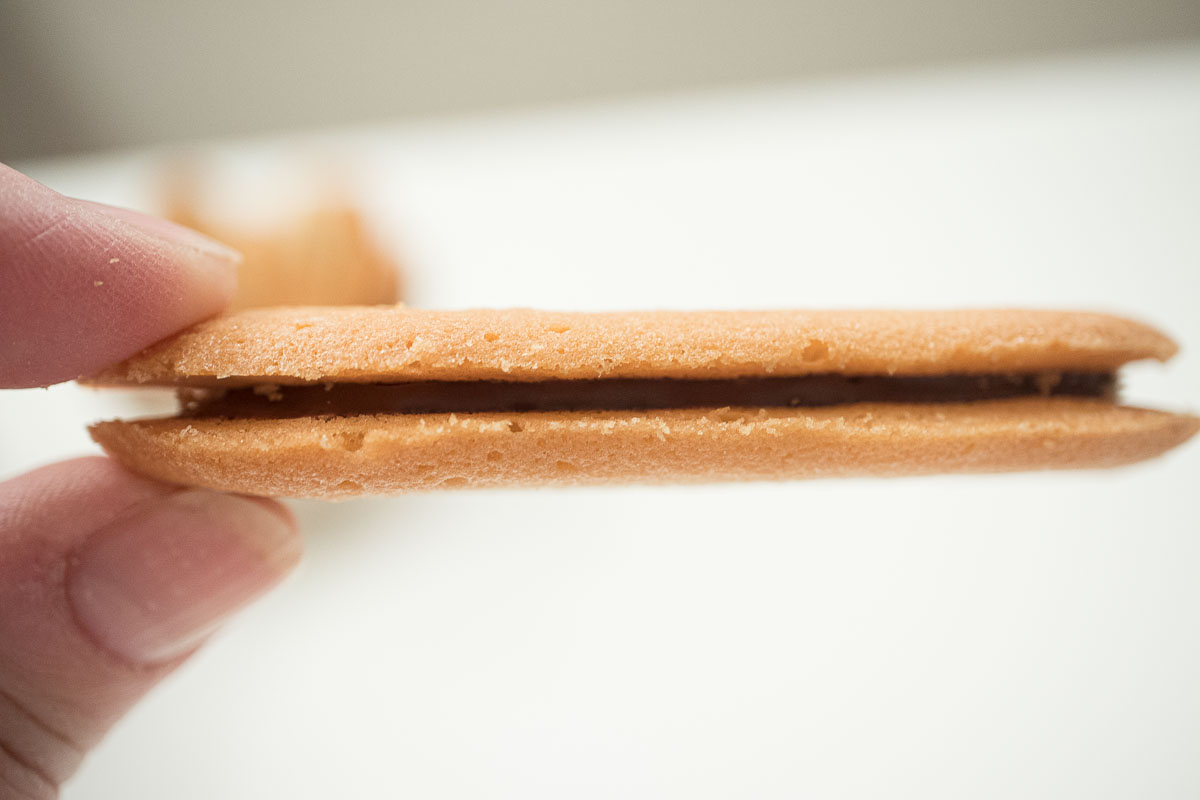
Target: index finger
[83,285]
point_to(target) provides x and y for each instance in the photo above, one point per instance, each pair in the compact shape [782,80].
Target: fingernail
[152,585]
[167,231]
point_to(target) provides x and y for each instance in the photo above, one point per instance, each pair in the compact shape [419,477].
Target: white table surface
[1013,636]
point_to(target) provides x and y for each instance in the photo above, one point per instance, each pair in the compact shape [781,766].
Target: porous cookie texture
[341,457]
[299,345]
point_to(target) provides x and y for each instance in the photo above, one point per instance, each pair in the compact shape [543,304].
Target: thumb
[107,582]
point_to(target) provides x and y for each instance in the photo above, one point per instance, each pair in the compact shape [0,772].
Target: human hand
[107,581]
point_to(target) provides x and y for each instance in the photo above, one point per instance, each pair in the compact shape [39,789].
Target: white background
[1011,636]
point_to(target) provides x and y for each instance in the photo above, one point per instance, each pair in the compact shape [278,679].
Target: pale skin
[108,581]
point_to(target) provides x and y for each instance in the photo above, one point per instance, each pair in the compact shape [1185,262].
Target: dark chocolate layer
[347,399]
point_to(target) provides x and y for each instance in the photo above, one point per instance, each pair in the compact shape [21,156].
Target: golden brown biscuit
[324,402]
[389,344]
[324,255]
[335,457]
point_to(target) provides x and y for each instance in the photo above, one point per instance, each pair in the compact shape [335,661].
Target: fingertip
[155,583]
[97,284]
[275,507]
[167,230]
[108,581]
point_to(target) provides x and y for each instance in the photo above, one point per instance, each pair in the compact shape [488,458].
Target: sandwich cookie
[340,402]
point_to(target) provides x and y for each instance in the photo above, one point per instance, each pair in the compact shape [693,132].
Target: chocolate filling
[347,399]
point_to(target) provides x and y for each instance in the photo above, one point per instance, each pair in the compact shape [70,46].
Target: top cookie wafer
[300,345]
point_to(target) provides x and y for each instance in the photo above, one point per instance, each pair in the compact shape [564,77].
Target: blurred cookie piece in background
[320,253]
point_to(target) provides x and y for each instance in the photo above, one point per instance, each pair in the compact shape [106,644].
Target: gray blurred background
[78,75]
